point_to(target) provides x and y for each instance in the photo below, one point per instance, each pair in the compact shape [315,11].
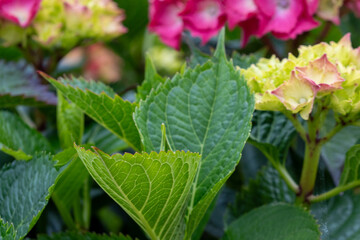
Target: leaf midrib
[145,222]
[192,202]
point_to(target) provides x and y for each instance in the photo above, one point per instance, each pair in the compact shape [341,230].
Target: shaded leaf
[272,133]
[245,61]
[334,151]
[103,105]
[274,222]
[339,217]
[351,172]
[18,139]
[70,123]
[24,194]
[206,110]
[152,80]
[20,85]
[83,236]
[268,187]
[98,136]
[143,184]
[68,184]
[198,57]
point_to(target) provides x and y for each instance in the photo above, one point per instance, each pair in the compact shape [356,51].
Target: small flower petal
[297,95]
[21,12]
[322,73]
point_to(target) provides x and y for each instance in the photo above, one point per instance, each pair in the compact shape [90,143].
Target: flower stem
[309,170]
[297,124]
[333,192]
[287,178]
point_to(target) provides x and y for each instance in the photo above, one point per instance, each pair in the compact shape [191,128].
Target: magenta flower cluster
[204,18]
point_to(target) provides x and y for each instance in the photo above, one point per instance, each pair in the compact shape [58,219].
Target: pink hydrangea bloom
[204,18]
[21,12]
[312,6]
[354,5]
[283,18]
[238,11]
[286,18]
[245,14]
[166,22]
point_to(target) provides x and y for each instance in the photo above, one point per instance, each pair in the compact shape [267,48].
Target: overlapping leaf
[25,189]
[20,85]
[351,172]
[245,61]
[207,110]
[103,139]
[103,105]
[152,188]
[268,187]
[18,139]
[152,80]
[334,151]
[70,123]
[274,222]
[68,184]
[339,217]
[272,133]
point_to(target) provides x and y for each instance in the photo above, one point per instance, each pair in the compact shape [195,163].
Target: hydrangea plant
[208,143]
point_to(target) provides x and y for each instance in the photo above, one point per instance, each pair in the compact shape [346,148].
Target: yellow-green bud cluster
[65,23]
[294,84]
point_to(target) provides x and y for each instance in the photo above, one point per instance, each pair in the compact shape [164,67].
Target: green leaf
[97,135]
[272,133]
[7,231]
[198,57]
[334,151]
[152,80]
[206,110]
[20,85]
[68,185]
[103,105]
[83,236]
[143,185]
[351,172]
[70,123]
[339,217]
[25,188]
[18,139]
[245,61]
[268,187]
[274,222]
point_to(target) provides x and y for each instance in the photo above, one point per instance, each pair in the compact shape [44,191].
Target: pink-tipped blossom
[166,22]
[21,12]
[203,18]
[297,94]
[321,73]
